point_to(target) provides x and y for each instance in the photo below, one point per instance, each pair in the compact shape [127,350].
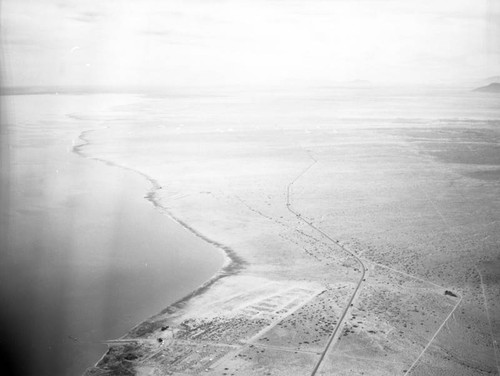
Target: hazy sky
[189,42]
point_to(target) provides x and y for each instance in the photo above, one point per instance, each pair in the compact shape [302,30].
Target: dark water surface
[84,256]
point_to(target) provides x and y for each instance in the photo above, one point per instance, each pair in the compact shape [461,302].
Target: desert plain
[360,229]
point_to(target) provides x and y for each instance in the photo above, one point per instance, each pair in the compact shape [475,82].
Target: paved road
[336,332]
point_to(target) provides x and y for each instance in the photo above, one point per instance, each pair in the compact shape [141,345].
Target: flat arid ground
[362,231]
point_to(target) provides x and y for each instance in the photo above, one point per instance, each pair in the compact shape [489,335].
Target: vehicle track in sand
[493,341]
[422,353]
[337,330]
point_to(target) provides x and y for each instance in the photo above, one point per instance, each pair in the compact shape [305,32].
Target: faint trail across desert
[495,348]
[432,339]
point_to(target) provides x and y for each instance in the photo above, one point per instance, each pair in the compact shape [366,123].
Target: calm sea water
[84,257]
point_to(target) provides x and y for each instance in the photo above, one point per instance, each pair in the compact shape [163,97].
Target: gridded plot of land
[276,293]
[185,358]
[221,329]
[279,304]
[309,327]
[245,320]
[200,344]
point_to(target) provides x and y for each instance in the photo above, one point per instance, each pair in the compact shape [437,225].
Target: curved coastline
[233,263]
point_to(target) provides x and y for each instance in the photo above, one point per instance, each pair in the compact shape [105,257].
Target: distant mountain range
[487,81]
[491,88]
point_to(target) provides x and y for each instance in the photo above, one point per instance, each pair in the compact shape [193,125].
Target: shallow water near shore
[85,256]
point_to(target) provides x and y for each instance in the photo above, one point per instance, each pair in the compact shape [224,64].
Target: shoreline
[233,263]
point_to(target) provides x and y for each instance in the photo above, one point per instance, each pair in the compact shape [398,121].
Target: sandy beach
[363,234]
